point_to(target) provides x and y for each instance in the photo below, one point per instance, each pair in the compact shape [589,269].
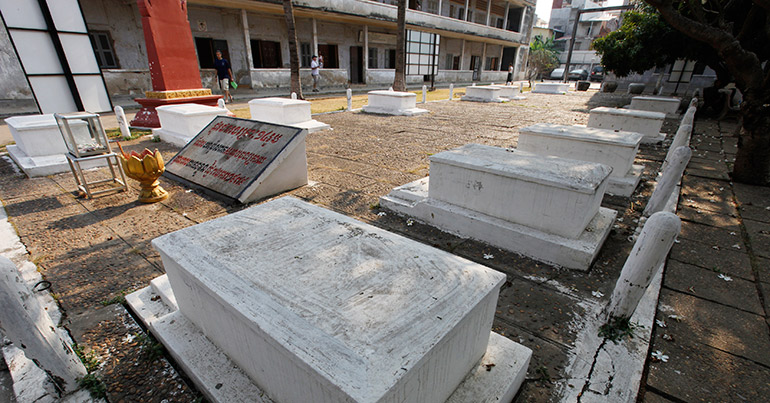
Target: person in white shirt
[509,80]
[315,70]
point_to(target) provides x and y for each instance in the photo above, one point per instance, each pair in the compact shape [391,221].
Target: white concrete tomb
[509,92]
[614,148]
[544,207]
[284,111]
[551,88]
[180,123]
[393,103]
[316,306]
[487,93]
[667,105]
[647,123]
[40,148]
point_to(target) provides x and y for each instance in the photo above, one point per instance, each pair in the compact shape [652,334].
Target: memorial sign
[233,157]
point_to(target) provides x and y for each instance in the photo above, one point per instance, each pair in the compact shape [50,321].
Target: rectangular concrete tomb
[551,88]
[180,123]
[40,149]
[285,111]
[629,120]
[667,105]
[509,92]
[614,148]
[316,306]
[483,94]
[392,103]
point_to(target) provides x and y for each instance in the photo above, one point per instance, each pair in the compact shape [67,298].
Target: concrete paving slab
[712,236]
[707,173]
[764,271]
[708,218]
[756,213]
[733,263]
[706,202]
[652,397]
[759,236]
[703,283]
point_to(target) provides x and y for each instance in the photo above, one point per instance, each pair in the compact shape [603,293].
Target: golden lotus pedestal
[145,168]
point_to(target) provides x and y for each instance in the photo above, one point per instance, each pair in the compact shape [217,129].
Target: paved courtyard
[716,334]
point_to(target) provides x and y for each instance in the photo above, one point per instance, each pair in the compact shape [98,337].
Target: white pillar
[467,3]
[424,94]
[365,68]
[647,256]
[682,138]
[451,90]
[247,41]
[349,94]
[505,17]
[694,102]
[489,11]
[26,323]
[462,55]
[315,37]
[523,16]
[483,58]
[671,176]
[123,122]
[440,7]
[293,95]
[500,60]
[221,103]
[689,116]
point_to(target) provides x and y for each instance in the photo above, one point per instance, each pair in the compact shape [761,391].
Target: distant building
[591,26]
[541,28]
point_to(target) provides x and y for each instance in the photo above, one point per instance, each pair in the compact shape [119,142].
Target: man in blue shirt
[224,74]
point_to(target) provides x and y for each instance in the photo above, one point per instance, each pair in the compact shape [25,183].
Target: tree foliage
[543,56]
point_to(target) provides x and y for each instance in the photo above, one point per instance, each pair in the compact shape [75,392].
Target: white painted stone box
[316,306]
[667,105]
[644,122]
[551,194]
[616,149]
[482,94]
[509,92]
[285,111]
[551,88]
[40,148]
[181,123]
[392,103]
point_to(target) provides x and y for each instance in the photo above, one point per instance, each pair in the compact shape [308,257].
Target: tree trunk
[752,163]
[399,83]
[296,83]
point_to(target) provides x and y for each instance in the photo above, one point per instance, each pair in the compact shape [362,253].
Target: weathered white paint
[668,181]
[551,88]
[647,256]
[411,200]
[393,103]
[509,92]
[451,90]
[370,322]
[614,148]
[181,123]
[647,123]
[681,138]
[424,94]
[122,122]
[282,111]
[689,117]
[667,105]
[555,195]
[482,94]
[287,171]
[349,95]
[26,323]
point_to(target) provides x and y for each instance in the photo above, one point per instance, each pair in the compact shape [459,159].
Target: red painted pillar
[173,63]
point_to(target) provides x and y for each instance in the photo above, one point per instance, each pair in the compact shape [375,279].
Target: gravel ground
[95,251]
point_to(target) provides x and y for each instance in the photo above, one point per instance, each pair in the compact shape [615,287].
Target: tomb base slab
[626,185]
[412,200]
[393,103]
[483,94]
[551,88]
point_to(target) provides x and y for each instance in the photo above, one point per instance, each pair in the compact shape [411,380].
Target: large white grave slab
[551,88]
[180,123]
[614,148]
[544,207]
[40,148]
[509,92]
[316,306]
[629,120]
[393,103]
[285,111]
[483,94]
[667,105]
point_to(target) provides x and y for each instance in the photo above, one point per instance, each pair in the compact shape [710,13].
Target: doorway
[356,65]
[476,67]
[509,57]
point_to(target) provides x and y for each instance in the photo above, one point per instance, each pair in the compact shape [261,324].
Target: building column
[523,17]
[247,42]
[315,37]
[365,68]
[467,3]
[500,60]
[462,56]
[489,10]
[483,58]
[505,17]
[440,5]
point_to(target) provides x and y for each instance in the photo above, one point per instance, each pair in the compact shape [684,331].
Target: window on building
[456,63]
[329,53]
[460,13]
[305,54]
[514,19]
[452,10]
[390,58]
[449,61]
[266,54]
[207,48]
[432,6]
[499,23]
[101,41]
[373,58]
[491,64]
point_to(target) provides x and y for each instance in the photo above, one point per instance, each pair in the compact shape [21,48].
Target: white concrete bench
[551,88]
[483,94]
[614,148]
[316,306]
[644,122]
[392,103]
[181,123]
[40,148]
[667,105]
[544,207]
[285,111]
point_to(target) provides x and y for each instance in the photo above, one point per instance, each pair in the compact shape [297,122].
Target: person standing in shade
[224,74]
[315,70]
[509,80]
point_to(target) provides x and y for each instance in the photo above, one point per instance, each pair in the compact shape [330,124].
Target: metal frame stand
[80,177]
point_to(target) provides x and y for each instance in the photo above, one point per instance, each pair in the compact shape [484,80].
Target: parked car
[597,73]
[578,74]
[557,74]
